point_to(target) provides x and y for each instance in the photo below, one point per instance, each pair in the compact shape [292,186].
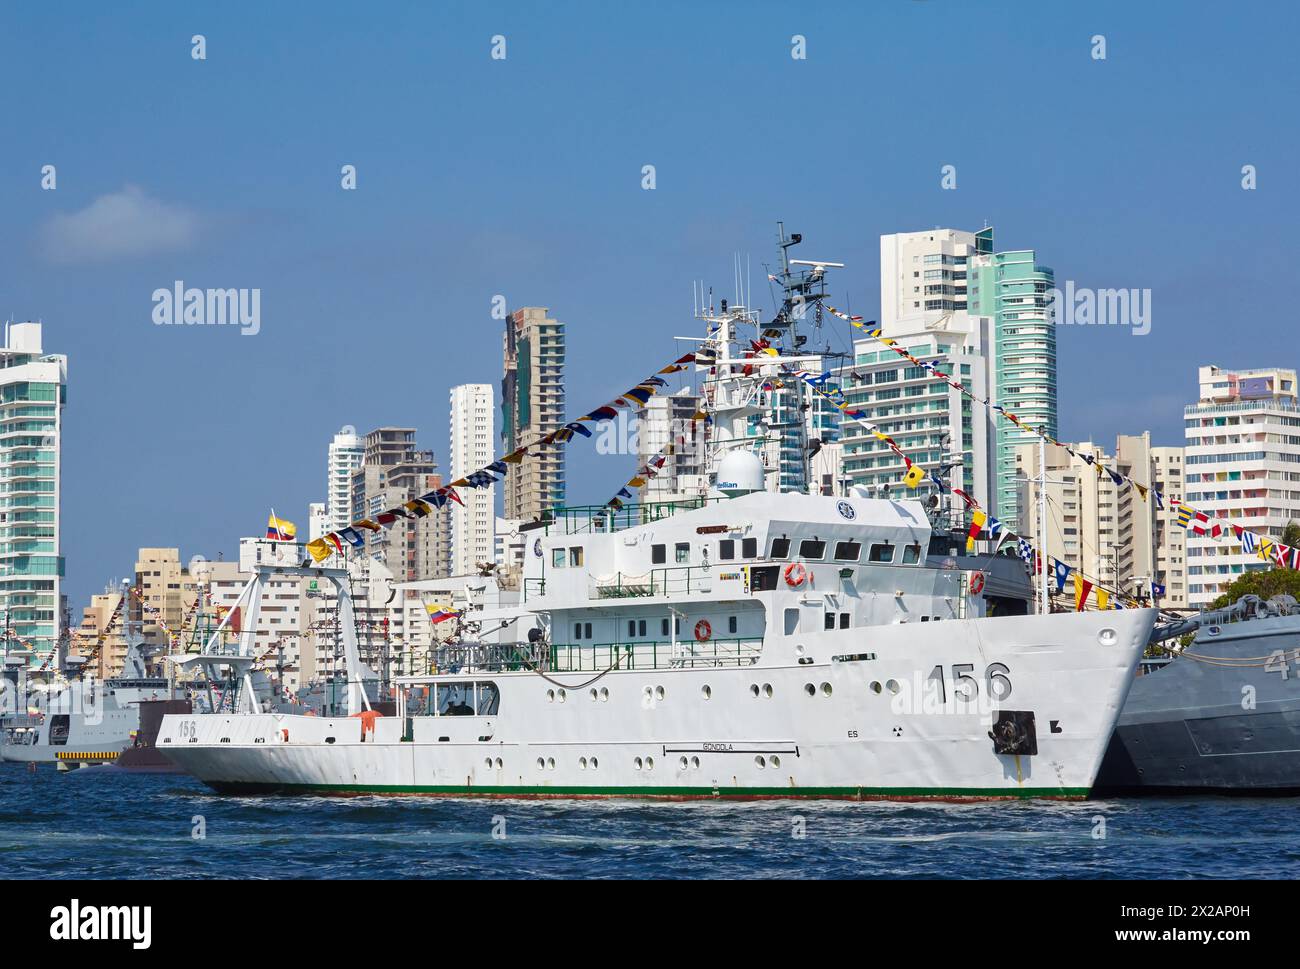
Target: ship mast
[754,401]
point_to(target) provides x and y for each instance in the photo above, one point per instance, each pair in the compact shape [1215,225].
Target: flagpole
[1042,523]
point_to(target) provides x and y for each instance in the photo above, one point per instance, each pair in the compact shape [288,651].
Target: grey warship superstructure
[1223,717]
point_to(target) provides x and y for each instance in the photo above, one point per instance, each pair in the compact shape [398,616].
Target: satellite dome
[739,473]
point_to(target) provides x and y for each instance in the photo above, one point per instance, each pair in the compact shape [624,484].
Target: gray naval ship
[1223,717]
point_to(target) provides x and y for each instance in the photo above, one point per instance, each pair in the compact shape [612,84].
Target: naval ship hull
[1223,718]
[873,714]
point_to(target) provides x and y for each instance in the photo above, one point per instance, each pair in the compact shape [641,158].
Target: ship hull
[900,712]
[1224,718]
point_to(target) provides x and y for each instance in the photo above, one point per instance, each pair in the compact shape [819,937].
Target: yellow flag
[915,475]
[320,549]
[1103,598]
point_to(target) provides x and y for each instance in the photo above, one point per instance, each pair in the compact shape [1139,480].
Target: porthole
[659,693]
[541,764]
[810,689]
[594,694]
[799,650]
[892,686]
[776,761]
[649,763]
[682,763]
[706,691]
[561,696]
[582,763]
[604,694]
[759,762]
[826,689]
[488,763]
[500,763]
[875,686]
[550,763]
[753,689]
[695,763]
[767,690]
[594,763]
[647,693]
[638,763]
[550,696]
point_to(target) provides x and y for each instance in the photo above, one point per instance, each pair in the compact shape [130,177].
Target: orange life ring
[703,631]
[795,573]
[976,583]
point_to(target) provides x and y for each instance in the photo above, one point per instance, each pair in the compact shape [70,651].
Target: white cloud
[118,225]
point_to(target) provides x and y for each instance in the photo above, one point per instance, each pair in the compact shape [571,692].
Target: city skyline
[219,427]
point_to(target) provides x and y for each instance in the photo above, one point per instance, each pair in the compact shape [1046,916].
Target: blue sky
[523,177]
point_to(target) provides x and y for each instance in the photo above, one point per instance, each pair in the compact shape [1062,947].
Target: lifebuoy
[795,573]
[976,583]
[703,631]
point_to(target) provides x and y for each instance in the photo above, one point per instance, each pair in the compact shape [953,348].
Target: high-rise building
[100,638]
[532,406]
[934,424]
[1109,530]
[473,524]
[1242,467]
[346,452]
[318,520]
[33,390]
[167,587]
[1014,292]
[394,471]
[664,418]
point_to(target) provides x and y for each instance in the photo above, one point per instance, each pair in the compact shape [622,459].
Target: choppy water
[99,823]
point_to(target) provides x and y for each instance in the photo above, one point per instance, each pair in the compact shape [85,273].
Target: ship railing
[653,655]
[585,519]
[489,657]
[681,580]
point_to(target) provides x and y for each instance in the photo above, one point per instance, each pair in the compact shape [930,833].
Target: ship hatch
[1014,733]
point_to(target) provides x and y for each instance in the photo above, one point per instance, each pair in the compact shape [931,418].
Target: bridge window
[812,548]
[727,549]
[780,548]
[844,620]
[847,551]
[575,556]
[489,699]
[830,620]
[557,558]
[658,554]
[911,554]
[455,699]
[749,548]
[882,552]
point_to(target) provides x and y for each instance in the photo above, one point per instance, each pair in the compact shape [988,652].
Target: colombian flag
[280,530]
[439,614]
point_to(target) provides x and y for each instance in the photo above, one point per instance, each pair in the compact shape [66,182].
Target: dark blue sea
[101,823]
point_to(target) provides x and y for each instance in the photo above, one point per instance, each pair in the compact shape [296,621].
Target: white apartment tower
[33,388]
[473,525]
[346,454]
[1242,467]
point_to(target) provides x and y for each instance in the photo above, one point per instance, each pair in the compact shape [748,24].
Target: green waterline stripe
[670,792]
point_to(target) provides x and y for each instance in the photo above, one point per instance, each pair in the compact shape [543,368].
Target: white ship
[748,644]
